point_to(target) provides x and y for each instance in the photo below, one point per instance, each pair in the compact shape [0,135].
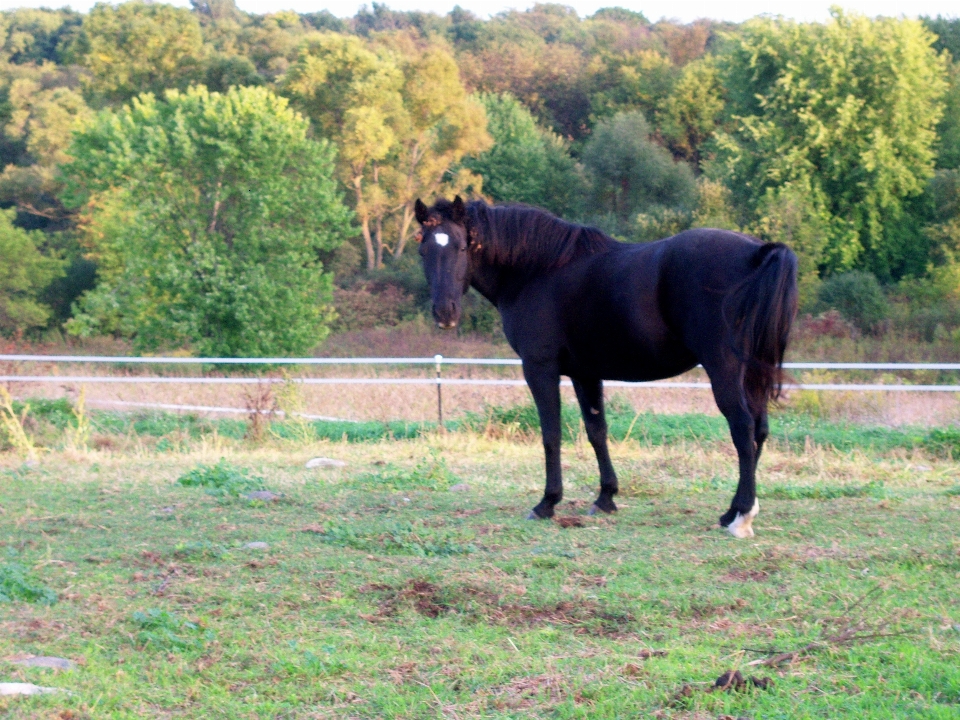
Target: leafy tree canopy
[402,119]
[633,174]
[526,163]
[24,273]
[35,36]
[43,106]
[849,109]
[207,214]
[138,47]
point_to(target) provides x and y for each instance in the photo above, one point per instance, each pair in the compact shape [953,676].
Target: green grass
[382,593]
[796,431]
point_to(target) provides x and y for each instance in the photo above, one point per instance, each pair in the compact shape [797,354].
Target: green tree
[36,36]
[353,96]
[401,118]
[635,80]
[947,32]
[41,113]
[692,111]
[632,174]
[207,213]
[440,125]
[848,109]
[795,214]
[138,47]
[526,163]
[24,273]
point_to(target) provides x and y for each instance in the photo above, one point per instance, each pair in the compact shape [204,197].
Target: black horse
[576,302]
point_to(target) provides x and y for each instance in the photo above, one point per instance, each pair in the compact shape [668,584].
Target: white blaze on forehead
[442,239]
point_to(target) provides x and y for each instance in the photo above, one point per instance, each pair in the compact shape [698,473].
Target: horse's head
[443,249]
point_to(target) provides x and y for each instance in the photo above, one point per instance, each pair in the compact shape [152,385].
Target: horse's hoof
[533,516]
[742,525]
[595,508]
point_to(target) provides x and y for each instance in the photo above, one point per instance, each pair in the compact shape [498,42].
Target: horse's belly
[628,360]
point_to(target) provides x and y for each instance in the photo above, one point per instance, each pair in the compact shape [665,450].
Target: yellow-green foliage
[78,437]
[24,273]
[847,110]
[12,425]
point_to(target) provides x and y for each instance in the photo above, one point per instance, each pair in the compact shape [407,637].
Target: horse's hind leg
[731,399]
[761,433]
[544,384]
[590,396]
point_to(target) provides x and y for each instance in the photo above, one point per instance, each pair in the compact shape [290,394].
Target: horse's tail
[759,312]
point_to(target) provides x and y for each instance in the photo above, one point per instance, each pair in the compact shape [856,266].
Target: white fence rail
[135,380]
[437,361]
[141,360]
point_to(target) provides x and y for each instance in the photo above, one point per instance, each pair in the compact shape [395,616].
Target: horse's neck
[487,281]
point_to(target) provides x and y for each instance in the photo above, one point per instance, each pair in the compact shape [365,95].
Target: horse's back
[637,311]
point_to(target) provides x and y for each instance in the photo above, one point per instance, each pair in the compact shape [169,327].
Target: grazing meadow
[189,569]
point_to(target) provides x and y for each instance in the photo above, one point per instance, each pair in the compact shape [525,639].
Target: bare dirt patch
[739,576]
[484,605]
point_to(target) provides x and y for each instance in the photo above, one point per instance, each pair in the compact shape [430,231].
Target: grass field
[407,584]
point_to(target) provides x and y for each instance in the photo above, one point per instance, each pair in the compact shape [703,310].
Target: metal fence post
[438,359]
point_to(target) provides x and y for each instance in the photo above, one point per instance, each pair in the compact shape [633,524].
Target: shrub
[943,442]
[365,307]
[16,584]
[430,473]
[221,479]
[827,324]
[165,630]
[858,297]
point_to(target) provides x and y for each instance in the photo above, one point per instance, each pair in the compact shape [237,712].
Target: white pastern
[442,239]
[742,525]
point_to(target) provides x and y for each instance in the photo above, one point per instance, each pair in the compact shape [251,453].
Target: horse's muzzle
[447,314]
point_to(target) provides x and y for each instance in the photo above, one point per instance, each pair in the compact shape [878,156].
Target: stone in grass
[459,487]
[264,495]
[25,689]
[46,661]
[257,545]
[322,462]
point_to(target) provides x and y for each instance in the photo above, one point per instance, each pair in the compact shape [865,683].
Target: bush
[430,474]
[858,297]
[364,307]
[164,630]
[16,584]
[943,442]
[221,479]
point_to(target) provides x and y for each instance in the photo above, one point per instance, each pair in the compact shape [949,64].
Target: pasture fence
[438,361]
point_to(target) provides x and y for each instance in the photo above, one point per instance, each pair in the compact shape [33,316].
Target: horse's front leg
[544,383]
[590,397]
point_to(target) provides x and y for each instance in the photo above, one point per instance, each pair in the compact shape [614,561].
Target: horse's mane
[527,238]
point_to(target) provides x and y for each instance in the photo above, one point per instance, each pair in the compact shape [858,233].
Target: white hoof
[742,525]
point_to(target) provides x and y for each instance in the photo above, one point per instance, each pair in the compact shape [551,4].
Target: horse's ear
[458,210]
[420,210]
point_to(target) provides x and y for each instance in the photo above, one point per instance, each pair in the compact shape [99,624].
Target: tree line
[230,182]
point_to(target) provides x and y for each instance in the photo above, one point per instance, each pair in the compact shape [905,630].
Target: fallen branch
[848,636]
